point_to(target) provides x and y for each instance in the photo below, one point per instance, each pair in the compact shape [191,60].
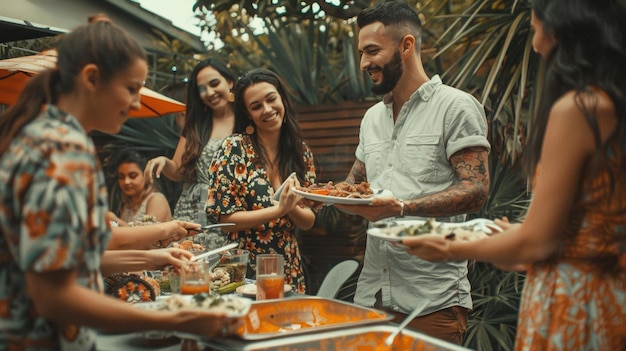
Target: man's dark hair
[394,13]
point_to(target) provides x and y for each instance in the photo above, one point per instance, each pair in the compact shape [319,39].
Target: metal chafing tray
[272,319]
[362,338]
[291,316]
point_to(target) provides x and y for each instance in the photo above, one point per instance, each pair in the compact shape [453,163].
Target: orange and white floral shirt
[52,218]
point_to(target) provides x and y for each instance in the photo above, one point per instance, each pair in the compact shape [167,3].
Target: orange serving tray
[362,338]
[299,315]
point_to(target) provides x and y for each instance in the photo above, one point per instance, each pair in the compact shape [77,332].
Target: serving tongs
[402,325]
[211,226]
[214,251]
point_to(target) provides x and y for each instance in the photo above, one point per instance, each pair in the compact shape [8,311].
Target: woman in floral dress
[572,243]
[251,166]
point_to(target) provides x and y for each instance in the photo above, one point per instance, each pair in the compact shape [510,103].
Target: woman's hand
[288,199]
[161,258]
[112,217]
[430,247]
[154,167]
[209,324]
[177,230]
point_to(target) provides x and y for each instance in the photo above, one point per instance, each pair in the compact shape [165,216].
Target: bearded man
[426,142]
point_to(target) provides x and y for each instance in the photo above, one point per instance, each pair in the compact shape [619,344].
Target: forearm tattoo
[468,195]
[357,173]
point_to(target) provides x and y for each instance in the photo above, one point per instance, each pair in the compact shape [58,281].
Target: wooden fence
[332,133]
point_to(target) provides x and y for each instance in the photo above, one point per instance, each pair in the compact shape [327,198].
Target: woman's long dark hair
[589,51]
[101,43]
[199,118]
[291,149]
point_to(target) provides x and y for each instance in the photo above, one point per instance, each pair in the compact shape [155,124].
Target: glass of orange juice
[196,278]
[270,276]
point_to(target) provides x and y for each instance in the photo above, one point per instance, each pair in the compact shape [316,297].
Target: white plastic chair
[336,277]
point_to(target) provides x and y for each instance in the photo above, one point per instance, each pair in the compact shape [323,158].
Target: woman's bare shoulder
[575,108]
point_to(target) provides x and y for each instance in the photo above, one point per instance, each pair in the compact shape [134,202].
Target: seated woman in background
[249,167]
[140,201]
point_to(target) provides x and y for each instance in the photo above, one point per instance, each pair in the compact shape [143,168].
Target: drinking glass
[196,278]
[270,276]
[235,263]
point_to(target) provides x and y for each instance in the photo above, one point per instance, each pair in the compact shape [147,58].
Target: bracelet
[401,208]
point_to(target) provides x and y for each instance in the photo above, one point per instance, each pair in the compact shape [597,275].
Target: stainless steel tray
[292,316]
[362,338]
[271,319]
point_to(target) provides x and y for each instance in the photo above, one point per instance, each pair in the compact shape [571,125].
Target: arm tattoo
[357,173]
[468,195]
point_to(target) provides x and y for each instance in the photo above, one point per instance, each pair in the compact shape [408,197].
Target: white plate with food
[341,193]
[234,306]
[250,289]
[398,229]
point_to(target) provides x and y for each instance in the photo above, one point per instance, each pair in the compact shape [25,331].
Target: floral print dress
[53,203]
[240,183]
[576,300]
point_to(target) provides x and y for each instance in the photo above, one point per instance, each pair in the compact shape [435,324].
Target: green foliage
[488,48]
[316,66]
[496,297]
[284,10]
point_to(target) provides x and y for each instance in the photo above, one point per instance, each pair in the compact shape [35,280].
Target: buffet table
[295,323]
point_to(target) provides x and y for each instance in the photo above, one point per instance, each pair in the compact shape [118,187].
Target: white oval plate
[392,233]
[250,290]
[342,200]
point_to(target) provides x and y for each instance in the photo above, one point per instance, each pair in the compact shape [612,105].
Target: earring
[250,129]
[231,97]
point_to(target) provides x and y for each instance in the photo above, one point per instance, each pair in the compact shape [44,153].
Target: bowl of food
[230,271]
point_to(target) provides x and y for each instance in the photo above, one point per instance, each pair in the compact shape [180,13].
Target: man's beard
[391,72]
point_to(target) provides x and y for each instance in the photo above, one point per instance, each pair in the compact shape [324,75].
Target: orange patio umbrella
[14,73]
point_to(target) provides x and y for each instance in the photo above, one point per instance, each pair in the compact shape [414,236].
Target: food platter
[398,229]
[234,306]
[239,308]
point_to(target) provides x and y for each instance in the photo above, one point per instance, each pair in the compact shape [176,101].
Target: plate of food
[340,193]
[250,289]
[468,231]
[234,306]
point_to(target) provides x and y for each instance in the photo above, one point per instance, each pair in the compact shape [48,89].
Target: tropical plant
[317,59]
[486,49]
[173,59]
[285,11]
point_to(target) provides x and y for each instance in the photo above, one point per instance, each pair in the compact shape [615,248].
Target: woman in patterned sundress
[208,120]
[572,243]
[53,200]
[250,167]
